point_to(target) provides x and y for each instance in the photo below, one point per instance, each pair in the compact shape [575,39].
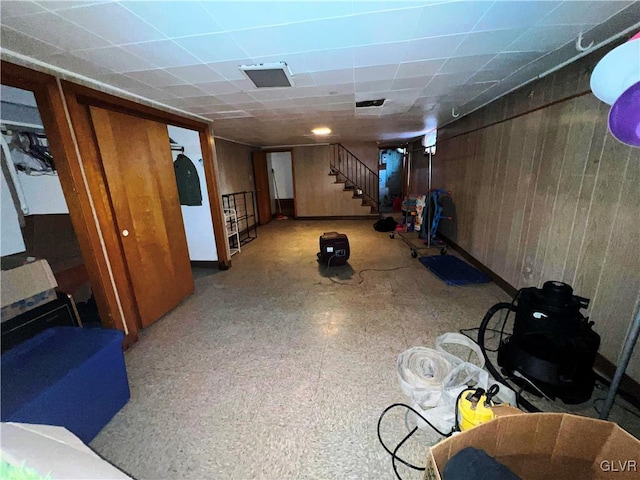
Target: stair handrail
[336,147]
[363,164]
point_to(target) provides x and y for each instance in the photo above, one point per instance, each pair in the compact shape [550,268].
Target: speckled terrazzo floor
[271,371]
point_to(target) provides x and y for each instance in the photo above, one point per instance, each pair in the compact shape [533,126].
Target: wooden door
[142,186]
[263,195]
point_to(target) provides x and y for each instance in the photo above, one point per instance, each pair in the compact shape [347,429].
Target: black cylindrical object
[552,344]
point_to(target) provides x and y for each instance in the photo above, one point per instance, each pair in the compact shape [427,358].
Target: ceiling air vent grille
[370,103]
[268,75]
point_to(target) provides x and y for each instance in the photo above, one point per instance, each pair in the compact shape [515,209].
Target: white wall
[43,194]
[280,162]
[197,219]
[11,235]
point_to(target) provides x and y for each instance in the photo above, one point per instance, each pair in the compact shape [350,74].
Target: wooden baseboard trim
[350,217]
[498,280]
[207,264]
[629,388]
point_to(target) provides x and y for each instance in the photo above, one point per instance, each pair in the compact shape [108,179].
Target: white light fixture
[268,75]
[321,131]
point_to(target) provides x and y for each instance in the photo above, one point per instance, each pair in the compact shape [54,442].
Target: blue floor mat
[453,271]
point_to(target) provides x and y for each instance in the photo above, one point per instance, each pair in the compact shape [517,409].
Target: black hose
[493,370]
[394,455]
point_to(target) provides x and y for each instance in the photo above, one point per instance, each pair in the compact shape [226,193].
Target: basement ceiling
[430,60]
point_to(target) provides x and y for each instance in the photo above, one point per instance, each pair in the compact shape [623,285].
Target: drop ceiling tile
[163,53]
[338,59]
[332,77]
[205,101]
[382,27]
[229,114]
[49,27]
[449,18]
[298,37]
[373,86]
[267,94]
[430,48]
[267,41]
[115,58]
[394,108]
[441,84]
[155,78]
[480,43]
[197,110]
[218,88]
[217,47]
[239,98]
[121,81]
[491,75]
[174,18]
[21,43]
[229,70]
[184,90]
[305,92]
[306,11]
[589,13]
[194,74]
[545,39]
[369,112]
[465,64]
[77,65]
[55,5]
[420,68]
[304,80]
[246,14]
[16,8]
[102,18]
[378,54]
[337,107]
[151,93]
[411,82]
[515,14]
[379,72]
[513,60]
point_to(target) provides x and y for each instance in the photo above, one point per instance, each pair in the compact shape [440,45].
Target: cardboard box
[25,288]
[540,446]
[26,281]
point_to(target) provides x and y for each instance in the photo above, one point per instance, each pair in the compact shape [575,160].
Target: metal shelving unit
[246,222]
[231,225]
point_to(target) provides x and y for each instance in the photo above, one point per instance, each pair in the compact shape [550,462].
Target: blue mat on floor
[453,271]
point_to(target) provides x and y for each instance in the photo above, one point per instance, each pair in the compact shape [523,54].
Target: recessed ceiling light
[321,131]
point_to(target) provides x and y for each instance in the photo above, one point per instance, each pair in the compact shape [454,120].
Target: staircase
[355,175]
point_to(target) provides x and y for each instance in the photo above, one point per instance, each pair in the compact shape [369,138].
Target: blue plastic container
[67,376]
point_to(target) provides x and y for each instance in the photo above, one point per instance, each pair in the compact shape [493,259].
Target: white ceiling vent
[269,75]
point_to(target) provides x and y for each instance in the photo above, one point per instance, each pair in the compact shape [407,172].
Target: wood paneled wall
[316,194]
[548,195]
[235,168]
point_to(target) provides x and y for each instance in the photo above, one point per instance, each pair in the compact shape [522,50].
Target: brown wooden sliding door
[263,193]
[139,173]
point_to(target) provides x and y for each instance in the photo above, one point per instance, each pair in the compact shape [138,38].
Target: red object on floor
[397,204]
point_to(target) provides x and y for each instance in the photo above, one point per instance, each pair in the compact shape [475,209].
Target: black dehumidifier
[553,344]
[334,249]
